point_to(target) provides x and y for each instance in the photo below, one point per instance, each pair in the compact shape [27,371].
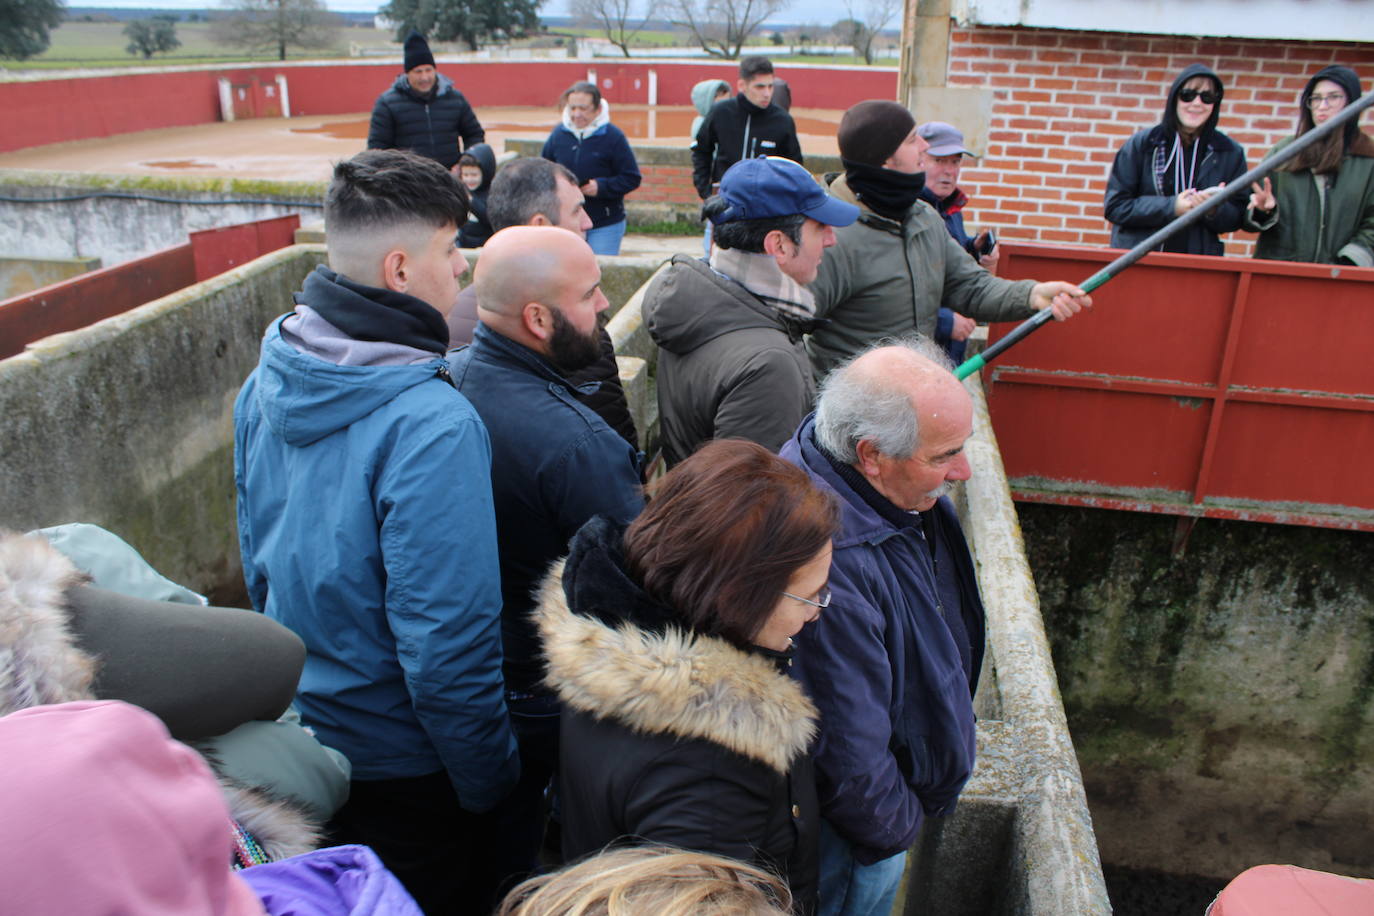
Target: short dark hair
[469,159]
[386,187]
[752,66]
[748,234]
[581,86]
[724,532]
[525,187]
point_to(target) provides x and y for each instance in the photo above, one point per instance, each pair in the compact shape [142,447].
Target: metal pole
[1241,184]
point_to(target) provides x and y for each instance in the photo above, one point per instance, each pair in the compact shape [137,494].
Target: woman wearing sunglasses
[669,644]
[1319,207]
[1164,171]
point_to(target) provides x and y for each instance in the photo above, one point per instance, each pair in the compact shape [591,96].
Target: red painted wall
[1067,101]
[52,111]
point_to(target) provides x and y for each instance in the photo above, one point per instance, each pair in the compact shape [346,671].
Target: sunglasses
[1208,97]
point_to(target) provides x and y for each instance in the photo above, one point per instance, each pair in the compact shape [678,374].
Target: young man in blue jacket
[359,466]
[892,663]
[555,465]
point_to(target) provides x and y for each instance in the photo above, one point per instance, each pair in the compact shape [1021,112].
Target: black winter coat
[475,232]
[1141,187]
[737,129]
[403,119]
[670,736]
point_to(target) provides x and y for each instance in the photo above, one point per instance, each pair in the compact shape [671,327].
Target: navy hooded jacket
[604,155]
[1141,187]
[892,677]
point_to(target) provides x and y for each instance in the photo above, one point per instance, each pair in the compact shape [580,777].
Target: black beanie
[871,131]
[417,51]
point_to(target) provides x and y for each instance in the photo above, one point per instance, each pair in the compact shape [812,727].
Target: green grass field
[101,44]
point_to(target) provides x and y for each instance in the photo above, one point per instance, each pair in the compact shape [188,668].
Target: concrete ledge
[1023,817]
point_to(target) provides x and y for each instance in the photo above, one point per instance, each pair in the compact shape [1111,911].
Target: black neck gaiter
[369,313]
[885,192]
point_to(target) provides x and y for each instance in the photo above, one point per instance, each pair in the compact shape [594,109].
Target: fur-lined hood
[41,662]
[670,681]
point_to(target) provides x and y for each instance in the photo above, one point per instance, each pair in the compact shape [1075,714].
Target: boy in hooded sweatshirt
[705,94]
[476,168]
[1164,171]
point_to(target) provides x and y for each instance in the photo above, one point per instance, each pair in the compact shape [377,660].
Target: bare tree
[863,26]
[722,27]
[615,18]
[275,25]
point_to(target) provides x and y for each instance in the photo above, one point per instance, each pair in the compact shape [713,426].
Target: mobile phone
[989,242]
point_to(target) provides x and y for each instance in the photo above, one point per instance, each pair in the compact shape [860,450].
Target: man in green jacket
[892,270]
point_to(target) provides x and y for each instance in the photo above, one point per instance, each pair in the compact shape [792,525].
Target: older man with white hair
[892,663]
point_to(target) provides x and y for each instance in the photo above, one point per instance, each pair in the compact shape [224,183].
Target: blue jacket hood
[304,399]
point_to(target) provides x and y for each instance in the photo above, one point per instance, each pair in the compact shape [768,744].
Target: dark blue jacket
[604,155]
[892,677]
[475,232]
[554,465]
[403,119]
[354,484]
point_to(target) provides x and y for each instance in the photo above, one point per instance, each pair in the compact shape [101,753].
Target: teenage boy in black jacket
[745,127]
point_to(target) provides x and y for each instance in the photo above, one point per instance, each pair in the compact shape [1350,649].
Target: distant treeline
[104,14]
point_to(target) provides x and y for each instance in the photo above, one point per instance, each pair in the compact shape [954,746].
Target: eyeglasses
[822,599]
[1334,99]
[1208,97]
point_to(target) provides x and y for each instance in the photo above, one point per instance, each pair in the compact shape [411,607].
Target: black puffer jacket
[403,119]
[737,129]
[1142,185]
[670,736]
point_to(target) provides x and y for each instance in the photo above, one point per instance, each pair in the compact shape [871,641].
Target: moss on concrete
[1242,669]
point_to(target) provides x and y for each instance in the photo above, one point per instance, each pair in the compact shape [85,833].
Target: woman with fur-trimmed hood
[669,644]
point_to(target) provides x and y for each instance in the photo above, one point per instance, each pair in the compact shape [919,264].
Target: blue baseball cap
[771,187]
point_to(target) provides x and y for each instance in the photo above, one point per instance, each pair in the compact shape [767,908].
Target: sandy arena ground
[301,149]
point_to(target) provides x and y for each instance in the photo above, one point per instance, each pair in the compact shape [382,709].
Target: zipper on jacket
[744,147]
[430,122]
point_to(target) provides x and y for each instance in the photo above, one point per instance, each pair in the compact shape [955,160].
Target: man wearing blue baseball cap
[731,362]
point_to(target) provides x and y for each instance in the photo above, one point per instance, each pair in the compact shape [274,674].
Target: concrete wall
[128,423]
[22,275]
[1221,701]
[92,215]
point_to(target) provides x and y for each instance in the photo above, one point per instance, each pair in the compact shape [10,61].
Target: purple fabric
[334,881]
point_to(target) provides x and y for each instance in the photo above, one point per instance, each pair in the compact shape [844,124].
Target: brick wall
[1066,101]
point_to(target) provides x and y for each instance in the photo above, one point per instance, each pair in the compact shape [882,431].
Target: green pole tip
[969,366]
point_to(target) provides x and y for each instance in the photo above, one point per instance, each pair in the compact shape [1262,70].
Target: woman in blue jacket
[596,151]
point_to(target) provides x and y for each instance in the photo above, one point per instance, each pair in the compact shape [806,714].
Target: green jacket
[1307,228]
[884,279]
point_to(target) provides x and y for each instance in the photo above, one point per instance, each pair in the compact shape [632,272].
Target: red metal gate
[1216,387]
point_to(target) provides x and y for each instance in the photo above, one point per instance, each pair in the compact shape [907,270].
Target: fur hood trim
[40,663]
[39,660]
[673,682]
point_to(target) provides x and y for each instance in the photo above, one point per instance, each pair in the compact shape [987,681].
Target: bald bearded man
[555,464]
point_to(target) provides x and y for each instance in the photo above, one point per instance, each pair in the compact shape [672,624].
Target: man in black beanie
[892,271]
[423,112]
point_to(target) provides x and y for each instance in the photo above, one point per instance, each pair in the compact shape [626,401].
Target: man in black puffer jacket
[423,112]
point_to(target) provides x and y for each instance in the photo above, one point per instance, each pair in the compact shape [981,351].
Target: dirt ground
[302,149]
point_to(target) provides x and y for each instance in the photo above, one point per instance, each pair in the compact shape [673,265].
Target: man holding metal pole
[890,272]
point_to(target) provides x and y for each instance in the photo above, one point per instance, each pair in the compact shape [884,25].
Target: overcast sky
[824,12]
